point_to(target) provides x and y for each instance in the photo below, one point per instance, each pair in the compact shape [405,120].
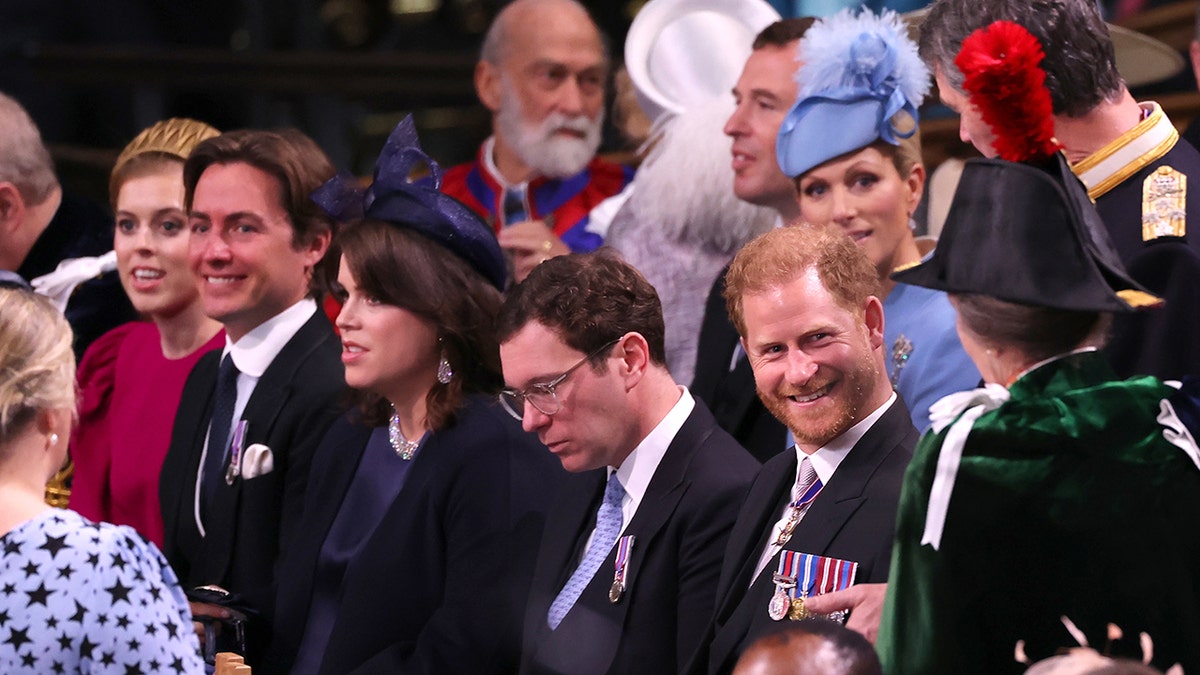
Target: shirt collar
[828,457]
[639,467]
[489,164]
[258,348]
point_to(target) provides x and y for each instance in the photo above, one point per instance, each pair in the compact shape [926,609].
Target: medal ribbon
[789,561]
[624,546]
[236,447]
[809,495]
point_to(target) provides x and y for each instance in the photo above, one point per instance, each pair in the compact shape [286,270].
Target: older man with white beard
[542,72]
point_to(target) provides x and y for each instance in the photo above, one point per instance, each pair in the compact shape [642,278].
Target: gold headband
[176,137]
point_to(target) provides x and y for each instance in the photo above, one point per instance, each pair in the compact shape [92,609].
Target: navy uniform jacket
[852,519]
[680,527]
[731,394]
[1164,342]
[250,521]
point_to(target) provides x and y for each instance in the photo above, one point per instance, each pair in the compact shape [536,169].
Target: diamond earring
[444,372]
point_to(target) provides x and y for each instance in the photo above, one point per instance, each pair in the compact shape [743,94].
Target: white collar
[639,467]
[255,351]
[828,457]
[489,165]
[1132,151]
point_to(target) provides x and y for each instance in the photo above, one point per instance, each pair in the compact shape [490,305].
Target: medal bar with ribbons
[805,574]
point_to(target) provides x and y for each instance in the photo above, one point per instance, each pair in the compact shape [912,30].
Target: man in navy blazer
[627,567]
[805,302]
[232,483]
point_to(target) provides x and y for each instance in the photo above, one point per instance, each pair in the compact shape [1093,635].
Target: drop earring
[444,371]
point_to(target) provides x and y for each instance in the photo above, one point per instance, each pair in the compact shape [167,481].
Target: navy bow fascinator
[417,204]
[856,72]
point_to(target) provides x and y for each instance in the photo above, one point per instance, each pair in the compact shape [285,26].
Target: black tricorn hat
[1028,234]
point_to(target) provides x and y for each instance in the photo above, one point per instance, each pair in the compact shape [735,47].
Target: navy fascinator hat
[418,205]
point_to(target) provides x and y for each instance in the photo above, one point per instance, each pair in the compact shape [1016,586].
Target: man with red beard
[542,72]
[820,516]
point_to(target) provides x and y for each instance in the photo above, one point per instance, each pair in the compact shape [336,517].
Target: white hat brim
[682,52]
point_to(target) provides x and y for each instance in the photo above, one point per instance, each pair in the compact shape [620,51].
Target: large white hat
[681,52]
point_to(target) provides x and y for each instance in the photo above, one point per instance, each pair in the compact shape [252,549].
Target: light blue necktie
[608,526]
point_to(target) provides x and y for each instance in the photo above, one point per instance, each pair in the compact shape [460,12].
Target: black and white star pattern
[80,597]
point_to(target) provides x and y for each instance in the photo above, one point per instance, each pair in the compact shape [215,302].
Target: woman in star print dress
[75,596]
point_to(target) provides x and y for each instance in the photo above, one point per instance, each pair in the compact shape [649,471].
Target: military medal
[785,581]
[624,546]
[236,446]
[797,611]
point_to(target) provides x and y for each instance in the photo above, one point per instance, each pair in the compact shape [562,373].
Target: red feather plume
[1003,76]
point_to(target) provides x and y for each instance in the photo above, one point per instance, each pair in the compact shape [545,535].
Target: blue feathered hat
[857,70]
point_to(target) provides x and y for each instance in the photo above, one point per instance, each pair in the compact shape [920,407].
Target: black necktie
[218,431]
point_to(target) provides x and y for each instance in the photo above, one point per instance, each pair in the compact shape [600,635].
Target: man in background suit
[804,301]
[763,93]
[627,567]
[252,414]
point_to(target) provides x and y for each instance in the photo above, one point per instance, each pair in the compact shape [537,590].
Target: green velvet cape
[1068,501]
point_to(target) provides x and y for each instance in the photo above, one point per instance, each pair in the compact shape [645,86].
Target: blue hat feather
[858,70]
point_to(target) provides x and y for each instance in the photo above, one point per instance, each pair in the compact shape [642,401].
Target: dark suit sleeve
[700,558]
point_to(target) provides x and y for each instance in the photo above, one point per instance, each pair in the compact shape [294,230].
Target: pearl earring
[53,439]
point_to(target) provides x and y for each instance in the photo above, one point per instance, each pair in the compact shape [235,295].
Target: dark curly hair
[589,300]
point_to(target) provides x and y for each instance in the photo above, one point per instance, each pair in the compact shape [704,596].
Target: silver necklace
[405,449]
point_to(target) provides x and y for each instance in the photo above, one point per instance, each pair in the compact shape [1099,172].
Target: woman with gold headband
[851,145]
[131,378]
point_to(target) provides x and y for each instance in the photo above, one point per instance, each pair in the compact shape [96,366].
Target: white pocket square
[257,461]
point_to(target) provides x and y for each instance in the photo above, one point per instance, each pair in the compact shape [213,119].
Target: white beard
[540,147]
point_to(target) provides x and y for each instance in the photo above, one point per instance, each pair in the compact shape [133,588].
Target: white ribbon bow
[975,403]
[59,284]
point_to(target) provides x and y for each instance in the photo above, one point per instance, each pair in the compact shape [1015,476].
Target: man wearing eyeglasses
[627,567]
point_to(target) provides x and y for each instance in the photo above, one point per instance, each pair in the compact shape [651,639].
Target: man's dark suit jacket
[432,587]
[731,395]
[680,529]
[250,521]
[854,518]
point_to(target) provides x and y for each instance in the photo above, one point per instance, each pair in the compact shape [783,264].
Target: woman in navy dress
[423,497]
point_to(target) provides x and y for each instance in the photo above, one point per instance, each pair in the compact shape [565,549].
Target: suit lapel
[270,394]
[844,494]
[757,517]
[560,547]
[187,442]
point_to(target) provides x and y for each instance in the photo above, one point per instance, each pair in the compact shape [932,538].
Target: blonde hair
[37,365]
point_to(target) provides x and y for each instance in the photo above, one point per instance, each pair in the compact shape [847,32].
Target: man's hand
[864,601]
[530,242]
[206,609]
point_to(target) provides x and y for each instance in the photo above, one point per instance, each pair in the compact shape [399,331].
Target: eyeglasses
[542,396]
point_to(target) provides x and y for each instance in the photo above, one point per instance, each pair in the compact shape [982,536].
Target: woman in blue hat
[850,143]
[422,498]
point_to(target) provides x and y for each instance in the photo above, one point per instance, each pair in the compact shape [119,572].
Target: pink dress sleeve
[91,442]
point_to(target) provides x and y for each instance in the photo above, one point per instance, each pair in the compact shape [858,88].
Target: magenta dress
[129,393]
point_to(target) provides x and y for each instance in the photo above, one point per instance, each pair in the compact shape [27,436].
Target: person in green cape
[1056,501]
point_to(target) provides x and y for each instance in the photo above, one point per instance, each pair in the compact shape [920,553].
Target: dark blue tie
[218,431]
[514,206]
